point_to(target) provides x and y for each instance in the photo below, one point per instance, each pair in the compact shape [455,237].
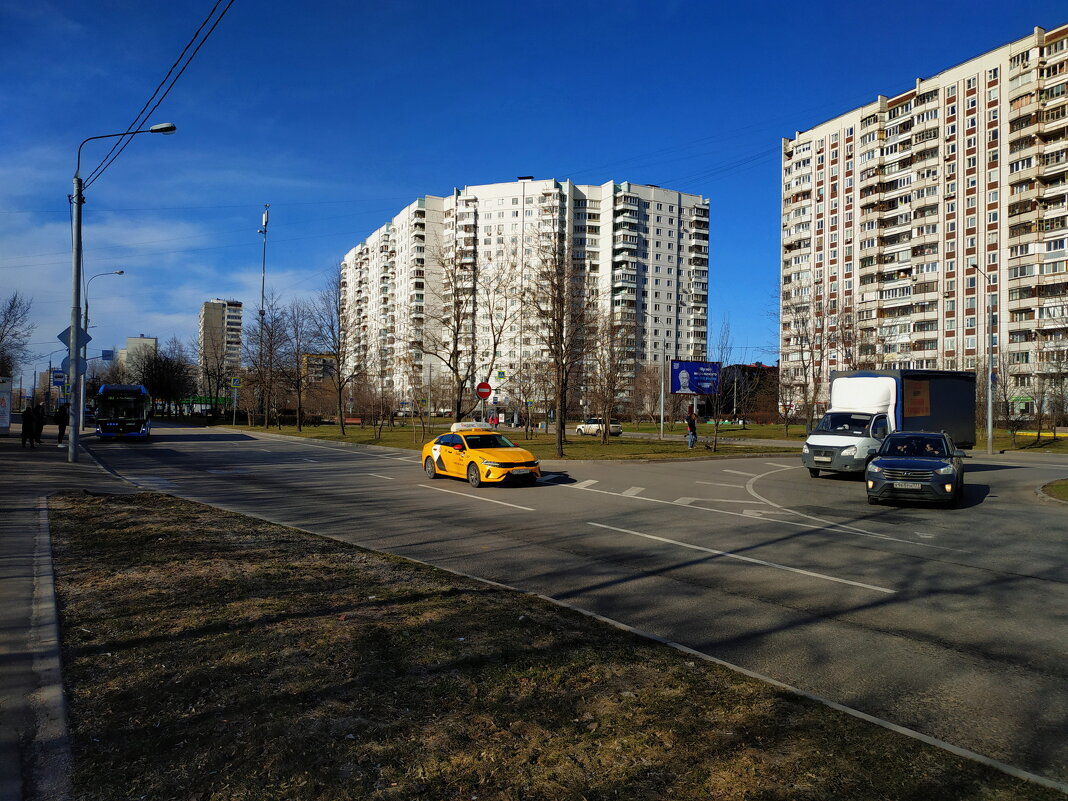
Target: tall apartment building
[644,250]
[137,345]
[917,227]
[220,336]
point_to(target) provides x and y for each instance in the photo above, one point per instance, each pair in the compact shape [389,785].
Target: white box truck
[866,405]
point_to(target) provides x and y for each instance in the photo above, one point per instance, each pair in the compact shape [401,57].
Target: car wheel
[812,471]
[431,471]
[474,478]
[873,501]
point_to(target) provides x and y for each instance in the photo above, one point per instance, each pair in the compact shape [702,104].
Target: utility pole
[263,284]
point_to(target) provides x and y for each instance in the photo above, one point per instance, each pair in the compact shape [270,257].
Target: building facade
[135,346]
[468,259]
[927,230]
[219,336]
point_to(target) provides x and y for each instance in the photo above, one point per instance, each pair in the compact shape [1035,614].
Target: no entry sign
[483,390]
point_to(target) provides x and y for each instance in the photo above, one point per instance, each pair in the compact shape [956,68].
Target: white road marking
[739,473]
[685,501]
[786,466]
[749,559]
[477,497]
[376,475]
[717,484]
[583,484]
[632,491]
[310,460]
[840,526]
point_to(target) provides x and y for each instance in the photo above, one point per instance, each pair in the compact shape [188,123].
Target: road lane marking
[717,484]
[476,497]
[583,484]
[739,473]
[751,560]
[841,526]
[686,501]
[309,460]
[376,475]
[630,493]
[786,466]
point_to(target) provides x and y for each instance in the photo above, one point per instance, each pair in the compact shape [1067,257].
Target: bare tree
[560,305]
[298,330]
[264,343]
[722,351]
[608,365]
[334,339]
[645,393]
[15,331]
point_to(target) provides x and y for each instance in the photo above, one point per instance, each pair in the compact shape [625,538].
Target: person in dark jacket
[40,418]
[29,426]
[61,419]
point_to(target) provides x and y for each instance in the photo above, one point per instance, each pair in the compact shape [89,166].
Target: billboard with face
[694,378]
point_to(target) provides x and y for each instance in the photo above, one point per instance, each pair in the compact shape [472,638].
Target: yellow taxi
[479,454]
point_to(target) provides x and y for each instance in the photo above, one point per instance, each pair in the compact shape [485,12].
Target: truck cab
[841,440]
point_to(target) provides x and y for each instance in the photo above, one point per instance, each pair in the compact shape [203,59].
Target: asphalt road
[952,622]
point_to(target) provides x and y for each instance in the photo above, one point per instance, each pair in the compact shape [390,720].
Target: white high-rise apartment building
[220,335]
[644,250]
[911,222]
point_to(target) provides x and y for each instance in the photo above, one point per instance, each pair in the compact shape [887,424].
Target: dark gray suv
[916,466]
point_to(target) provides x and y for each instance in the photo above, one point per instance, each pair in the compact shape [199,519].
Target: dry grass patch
[212,656]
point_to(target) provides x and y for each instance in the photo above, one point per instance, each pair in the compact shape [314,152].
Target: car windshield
[843,423]
[913,447]
[480,441]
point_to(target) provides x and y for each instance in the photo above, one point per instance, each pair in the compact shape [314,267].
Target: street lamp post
[77,199]
[989,364]
[84,351]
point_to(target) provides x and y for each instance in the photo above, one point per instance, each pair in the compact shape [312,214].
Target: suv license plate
[524,471]
[821,458]
[915,485]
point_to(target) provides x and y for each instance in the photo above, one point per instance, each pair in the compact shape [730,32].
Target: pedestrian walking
[29,426]
[39,417]
[691,430]
[61,418]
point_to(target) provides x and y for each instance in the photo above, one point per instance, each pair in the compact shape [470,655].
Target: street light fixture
[77,199]
[83,353]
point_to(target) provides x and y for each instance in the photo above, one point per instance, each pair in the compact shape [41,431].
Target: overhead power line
[146,112]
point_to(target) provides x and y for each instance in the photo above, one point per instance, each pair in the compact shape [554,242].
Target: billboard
[694,378]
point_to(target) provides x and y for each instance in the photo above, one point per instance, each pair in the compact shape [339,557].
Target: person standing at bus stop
[61,418]
[29,426]
[691,430]
[39,418]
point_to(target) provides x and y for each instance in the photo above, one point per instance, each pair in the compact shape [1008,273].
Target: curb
[1041,492]
[360,445]
[51,756]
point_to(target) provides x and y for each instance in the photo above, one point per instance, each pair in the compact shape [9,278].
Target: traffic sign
[83,337]
[59,378]
[65,366]
[483,390]
[235,383]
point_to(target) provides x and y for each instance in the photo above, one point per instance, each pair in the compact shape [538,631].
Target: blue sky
[340,113]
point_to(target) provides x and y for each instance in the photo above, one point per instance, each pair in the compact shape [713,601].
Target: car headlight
[948,470]
[874,468]
[490,464]
[850,451]
[804,449]
[536,462]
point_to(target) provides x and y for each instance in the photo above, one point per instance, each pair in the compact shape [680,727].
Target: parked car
[481,455]
[916,466]
[592,427]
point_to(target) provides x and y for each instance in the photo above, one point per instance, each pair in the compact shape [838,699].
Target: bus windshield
[124,404]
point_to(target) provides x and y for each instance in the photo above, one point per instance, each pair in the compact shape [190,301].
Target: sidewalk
[33,745]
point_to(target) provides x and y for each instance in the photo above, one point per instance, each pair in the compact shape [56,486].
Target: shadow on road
[157,437]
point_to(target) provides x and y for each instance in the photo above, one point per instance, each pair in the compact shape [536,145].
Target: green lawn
[1057,489]
[543,446]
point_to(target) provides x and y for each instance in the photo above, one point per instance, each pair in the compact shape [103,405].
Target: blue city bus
[123,410]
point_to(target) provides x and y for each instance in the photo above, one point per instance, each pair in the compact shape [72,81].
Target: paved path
[30,686]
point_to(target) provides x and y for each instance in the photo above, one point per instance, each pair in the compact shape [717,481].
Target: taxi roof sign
[469,425]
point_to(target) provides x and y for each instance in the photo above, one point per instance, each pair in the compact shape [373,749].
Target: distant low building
[135,346]
[318,366]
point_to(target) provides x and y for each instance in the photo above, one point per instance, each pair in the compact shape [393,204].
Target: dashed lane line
[630,493]
[477,497]
[749,559]
[739,473]
[584,484]
[377,475]
[717,484]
